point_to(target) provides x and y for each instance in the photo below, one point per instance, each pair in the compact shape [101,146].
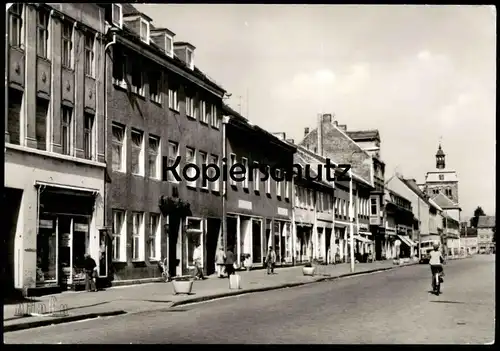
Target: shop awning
[360,238]
[407,240]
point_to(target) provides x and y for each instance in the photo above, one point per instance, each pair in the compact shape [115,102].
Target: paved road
[390,307]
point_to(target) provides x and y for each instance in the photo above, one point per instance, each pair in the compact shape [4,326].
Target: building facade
[162,112]
[54,144]
[486,227]
[259,210]
[469,240]
[369,140]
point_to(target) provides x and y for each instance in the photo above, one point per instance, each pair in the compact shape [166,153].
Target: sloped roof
[363,134]
[444,201]
[486,222]
[468,232]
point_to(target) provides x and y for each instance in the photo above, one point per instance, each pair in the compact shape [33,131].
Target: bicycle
[165,275]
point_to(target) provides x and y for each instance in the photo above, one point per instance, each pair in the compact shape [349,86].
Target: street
[391,307]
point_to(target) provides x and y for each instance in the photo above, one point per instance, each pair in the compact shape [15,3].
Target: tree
[477,213]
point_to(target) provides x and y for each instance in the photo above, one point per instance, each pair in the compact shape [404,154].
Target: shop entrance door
[65,231]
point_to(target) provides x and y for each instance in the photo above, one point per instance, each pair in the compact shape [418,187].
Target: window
[42,111]
[117,15]
[66,134]
[137,78]
[155,88]
[89,54]
[137,152]
[189,58]
[119,68]
[278,183]
[215,161]
[203,161]
[173,153]
[256,176]
[233,162]
[144,30]
[154,157]
[268,181]
[441,177]
[208,113]
[137,236]
[287,188]
[42,34]
[88,132]
[67,45]
[215,119]
[244,161]
[190,106]
[154,237]
[172,99]
[118,152]
[191,158]
[169,45]
[118,248]
[203,114]
[16,25]
[15,115]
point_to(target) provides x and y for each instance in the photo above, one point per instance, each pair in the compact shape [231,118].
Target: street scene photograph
[249,174]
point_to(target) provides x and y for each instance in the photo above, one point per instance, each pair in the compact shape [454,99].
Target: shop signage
[46,223]
[283,211]
[364,227]
[374,220]
[80,227]
[247,205]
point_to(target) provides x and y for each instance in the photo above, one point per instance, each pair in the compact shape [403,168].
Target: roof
[486,222]
[364,135]
[433,203]
[440,151]
[471,232]
[130,34]
[444,201]
[301,159]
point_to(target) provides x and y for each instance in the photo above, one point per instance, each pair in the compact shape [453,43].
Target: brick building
[369,140]
[330,140]
[258,212]
[160,107]
[54,144]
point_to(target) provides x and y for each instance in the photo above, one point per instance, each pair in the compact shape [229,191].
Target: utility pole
[239,104]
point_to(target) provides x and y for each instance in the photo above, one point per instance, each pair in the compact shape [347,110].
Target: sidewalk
[74,306]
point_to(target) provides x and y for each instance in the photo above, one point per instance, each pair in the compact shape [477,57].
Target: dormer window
[144,30]
[169,45]
[189,58]
[117,15]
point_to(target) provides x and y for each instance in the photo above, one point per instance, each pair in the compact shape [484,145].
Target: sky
[418,74]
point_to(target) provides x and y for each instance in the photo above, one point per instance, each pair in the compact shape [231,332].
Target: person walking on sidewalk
[90,273]
[229,263]
[220,260]
[270,260]
[197,262]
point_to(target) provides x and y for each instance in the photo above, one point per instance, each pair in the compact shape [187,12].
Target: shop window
[154,236]
[277,240]
[256,240]
[46,268]
[137,236]
[194,239]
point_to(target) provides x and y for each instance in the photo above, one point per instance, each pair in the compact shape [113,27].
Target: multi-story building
[54,144]
[369,140]
[330,140]
[399,223]
[258,211]
[486,226]
[161,108]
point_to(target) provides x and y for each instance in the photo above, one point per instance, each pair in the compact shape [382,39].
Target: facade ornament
[68,85]
[17,68]
[44,77]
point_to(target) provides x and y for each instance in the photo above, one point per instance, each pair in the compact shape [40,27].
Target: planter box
[308,271]
[182,287]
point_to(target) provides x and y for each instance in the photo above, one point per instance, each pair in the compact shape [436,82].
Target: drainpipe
[225,121]
[7,65]
[351,222]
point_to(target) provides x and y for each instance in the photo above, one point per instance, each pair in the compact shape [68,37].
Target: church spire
[440,156]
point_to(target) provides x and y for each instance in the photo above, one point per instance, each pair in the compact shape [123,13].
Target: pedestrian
[220,260]
[197,262]
[229,263]
[270,260]
[90,273]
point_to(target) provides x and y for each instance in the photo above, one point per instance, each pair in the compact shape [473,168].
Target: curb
[277,287]
[60,320]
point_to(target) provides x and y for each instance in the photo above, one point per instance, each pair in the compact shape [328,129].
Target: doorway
[12,201]
[256,241]
[328,238]
[173,238]
[213,234]
[232,228]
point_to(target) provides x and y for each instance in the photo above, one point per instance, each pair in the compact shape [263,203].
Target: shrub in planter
[308,269]
[182,285]
[308,265]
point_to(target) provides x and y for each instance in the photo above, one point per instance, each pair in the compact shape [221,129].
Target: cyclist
[436,262]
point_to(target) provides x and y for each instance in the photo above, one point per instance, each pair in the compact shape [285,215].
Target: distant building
[486,226]
[468,240]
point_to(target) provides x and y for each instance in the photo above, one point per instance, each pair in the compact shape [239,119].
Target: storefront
[246,235]
[66,232]
[340,242]
[282,236]
[303,242]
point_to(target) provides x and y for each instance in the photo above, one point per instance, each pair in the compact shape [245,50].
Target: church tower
[440,156]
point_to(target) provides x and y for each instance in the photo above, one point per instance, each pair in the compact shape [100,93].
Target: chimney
[291,141]
[185,52]
[343,127]
[319,149]
[164,38]
[306,131]
[280,135]
[336,123]
[327,118]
